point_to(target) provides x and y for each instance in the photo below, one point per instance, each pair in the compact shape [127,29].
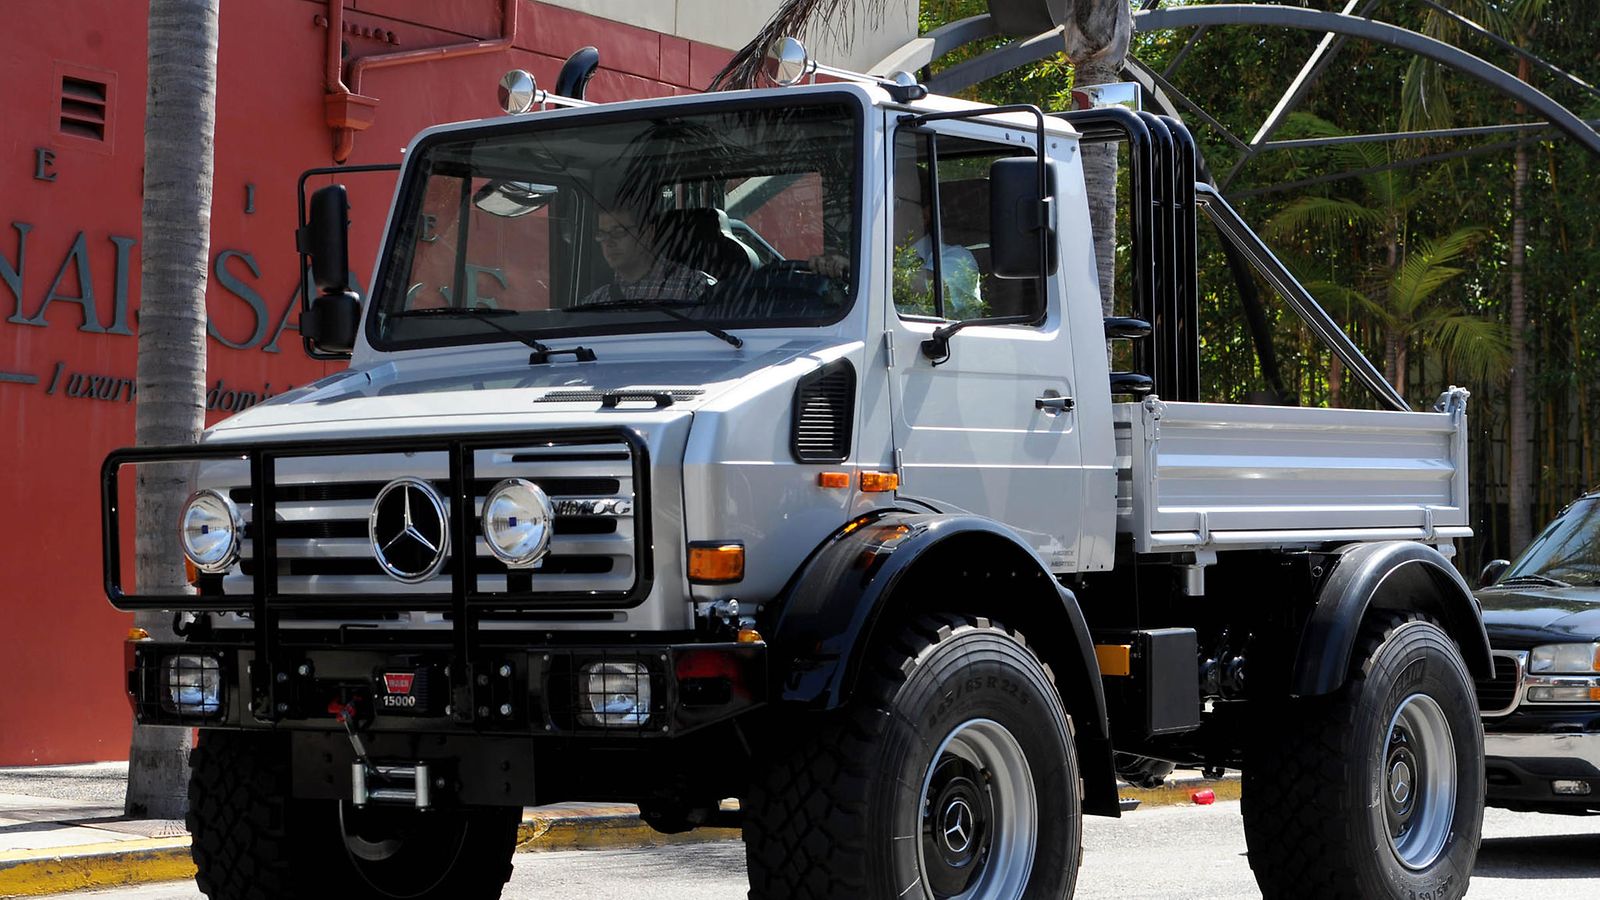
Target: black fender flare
[829,616]
[1401,575]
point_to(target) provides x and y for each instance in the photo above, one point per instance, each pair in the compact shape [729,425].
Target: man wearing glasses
[630,247]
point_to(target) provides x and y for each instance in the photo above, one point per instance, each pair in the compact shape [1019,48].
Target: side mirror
[325,237]
[1492,572]
[329,320]
[1016,214]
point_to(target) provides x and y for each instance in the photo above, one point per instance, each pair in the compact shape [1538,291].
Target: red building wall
[69,279]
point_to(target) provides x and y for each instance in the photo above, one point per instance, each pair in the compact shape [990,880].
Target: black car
[1541,711]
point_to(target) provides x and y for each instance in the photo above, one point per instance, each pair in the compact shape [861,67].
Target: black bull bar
[463,602]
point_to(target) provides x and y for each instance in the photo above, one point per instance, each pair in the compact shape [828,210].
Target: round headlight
[517,518]
[210,530]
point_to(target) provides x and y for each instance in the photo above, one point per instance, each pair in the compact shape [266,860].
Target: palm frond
[1469,345]
[1328,213]
[1349,156]
[1426,268]
[1331,296]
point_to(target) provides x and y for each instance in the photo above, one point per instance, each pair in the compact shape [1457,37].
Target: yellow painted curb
[1181,793]
[23,873]
[603,830]
[26,873]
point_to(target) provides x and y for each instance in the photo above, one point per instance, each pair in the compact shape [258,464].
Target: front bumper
[507,690]
[1527,752]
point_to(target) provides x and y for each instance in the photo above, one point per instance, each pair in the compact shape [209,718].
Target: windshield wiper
[541,353]
[666,307]
[1533,579]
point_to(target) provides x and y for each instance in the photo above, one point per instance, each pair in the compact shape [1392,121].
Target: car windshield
[663,221]
[1568,550]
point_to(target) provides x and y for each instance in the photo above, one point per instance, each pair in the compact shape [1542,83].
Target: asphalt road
[1182,853]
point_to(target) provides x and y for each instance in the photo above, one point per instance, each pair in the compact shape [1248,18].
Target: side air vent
[83,107]
[824,414]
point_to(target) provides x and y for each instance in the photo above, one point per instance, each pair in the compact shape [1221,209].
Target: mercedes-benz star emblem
[409,532]
[958,826]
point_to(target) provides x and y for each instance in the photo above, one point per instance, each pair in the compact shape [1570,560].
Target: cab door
[990,428]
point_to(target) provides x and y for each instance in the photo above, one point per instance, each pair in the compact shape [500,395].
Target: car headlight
[1565,659]
[210,530]
[517,519]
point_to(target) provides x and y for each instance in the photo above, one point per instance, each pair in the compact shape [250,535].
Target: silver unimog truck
[763,445]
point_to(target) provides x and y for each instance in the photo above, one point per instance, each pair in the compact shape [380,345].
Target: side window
[941,197]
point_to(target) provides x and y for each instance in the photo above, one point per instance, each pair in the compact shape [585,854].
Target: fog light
[615,694]
[1566,693]
[193,685]
[517,516]
[1570,788]
[209,530]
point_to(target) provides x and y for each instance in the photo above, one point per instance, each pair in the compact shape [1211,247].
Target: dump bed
[1206,476]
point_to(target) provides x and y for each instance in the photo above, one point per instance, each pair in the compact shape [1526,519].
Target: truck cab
[766,445]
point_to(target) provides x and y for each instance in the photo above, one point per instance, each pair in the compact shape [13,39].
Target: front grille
[1497,696]
[323,506]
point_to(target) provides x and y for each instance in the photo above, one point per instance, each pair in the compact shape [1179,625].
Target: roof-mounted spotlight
[905,87]
[520,93]
[788,63]
[1099,96]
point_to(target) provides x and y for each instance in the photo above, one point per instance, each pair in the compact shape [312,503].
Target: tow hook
[371,782]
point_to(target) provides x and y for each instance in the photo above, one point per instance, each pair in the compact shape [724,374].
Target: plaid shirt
[666,280]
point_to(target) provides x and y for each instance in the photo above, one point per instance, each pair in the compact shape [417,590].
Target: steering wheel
[790,265]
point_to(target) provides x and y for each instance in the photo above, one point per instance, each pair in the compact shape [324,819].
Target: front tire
[1376,791]
[252,841]
[951,773]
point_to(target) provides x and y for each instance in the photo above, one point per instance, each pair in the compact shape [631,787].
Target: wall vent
[824,414]
[83,107]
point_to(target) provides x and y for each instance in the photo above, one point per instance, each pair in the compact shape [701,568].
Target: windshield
[1567,550]
[732,218]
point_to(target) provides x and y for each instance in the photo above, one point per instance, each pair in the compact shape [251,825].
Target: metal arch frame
[1378,32]
[922,51]
[1336,27]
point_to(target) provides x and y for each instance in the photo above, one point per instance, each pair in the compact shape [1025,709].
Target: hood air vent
[824,414]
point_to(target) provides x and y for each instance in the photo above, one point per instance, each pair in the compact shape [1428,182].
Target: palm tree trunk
[1096,42]
[1100,182]
[180,119]
[1518,446]
[1391,334]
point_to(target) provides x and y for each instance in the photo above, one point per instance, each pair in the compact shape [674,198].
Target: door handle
[1055,404]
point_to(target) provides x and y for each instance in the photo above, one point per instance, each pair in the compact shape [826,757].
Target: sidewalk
[61,828]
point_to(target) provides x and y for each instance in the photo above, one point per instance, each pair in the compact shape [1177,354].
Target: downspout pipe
[348,111]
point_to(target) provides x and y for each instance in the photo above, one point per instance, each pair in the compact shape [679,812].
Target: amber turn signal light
[833,479]
[716,562]
[877,482]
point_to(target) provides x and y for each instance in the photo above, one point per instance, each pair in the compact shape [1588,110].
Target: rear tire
[1376,791]
[951,772]
[252,841]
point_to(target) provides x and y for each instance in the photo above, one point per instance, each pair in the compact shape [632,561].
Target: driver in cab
[640,272]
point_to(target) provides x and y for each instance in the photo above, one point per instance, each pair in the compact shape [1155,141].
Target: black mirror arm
[937,347]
